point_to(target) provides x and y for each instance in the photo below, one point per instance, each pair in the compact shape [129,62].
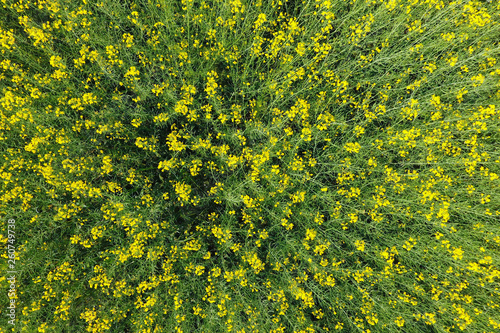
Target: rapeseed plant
[335,159]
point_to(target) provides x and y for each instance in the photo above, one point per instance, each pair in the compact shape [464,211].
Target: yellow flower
[7,39]
[136,122]
[360,245]
[310,234]
[372,161]
[132,72]
[359,130]
[107,166]
[301,49]
[352,147]
[260,20]
[128,40]
[236,6]
[452,61]
[410,112]
[195,167]
[56,62]
[182,190]
[478,80]
[399,321]
[211,88]
[409,244]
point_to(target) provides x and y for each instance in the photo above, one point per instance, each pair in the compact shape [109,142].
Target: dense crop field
[250,166]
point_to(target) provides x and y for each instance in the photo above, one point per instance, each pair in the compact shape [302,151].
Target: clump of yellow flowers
[250,166]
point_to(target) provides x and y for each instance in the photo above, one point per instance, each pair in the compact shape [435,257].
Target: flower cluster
[252,166]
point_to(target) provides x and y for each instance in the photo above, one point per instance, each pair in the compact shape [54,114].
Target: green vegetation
[250,166]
